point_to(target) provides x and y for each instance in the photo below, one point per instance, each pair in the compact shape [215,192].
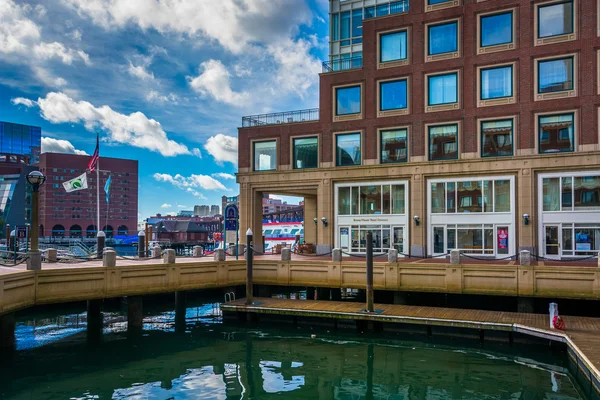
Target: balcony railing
[341,65]
[288,117]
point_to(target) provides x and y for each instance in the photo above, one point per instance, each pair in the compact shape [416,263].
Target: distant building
[209,224]
[24,140]
[185,213]
[73,214]
[201,211]
[179,231]
[214,210]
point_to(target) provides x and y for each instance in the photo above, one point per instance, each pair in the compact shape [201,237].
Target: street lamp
[35,179]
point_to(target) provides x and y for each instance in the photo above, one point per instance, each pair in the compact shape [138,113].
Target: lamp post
[35,179]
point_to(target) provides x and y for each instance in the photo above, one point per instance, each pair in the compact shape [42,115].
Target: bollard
[249,259]
[336,255]
[100,241]
[169,257]
[109,259]
[286,254]
[155,252]
[34,261]
[11,241]
[525,258]
[455,256]
[219,255]
[197,251]
[370,294]
[392,256]
[51,255]
[141,244]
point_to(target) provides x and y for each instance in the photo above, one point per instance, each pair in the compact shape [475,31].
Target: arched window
[90,231]
[58,231]
[75,231]
[108,230]
[122,231]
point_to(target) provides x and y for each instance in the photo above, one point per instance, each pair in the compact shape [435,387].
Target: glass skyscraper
[20,139]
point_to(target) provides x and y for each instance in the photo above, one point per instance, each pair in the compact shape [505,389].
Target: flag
[107,188]
[75,184]
[94,160]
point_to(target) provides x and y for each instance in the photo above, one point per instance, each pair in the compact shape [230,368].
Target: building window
[306,152]
[393,46]
[555,19]
[393,146]
[476,196]
[497,138]
[443,142]
[555,75]
[393,95]
[347,100]
[442,89]
[345,31]
[556,133]
[571,193]
[348,149]
[496,82]
[433,5]
[265,155]
[442,38]
[496,29]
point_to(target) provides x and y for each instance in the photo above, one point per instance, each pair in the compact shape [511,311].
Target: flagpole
[98,193]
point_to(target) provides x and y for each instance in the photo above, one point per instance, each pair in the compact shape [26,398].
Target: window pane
[567,194]
[393,46]
[496,82]
[393,95]
[443,89]
[443,142]
[399,6]
[443,38]
[450,197]
[344,201]
[357,23]
[335,26]
[369,12]
[387,201]
[488,199]
[370,199]
[497,138]
[555,19]
[348,149]
[587,193]
[348,100]
[265,156]
[470,240]
[431,2]
[438,194]
[469,196]
[555,75]
[502,196]
[354,200]
[551,193]
[382,10]
[398,199]
[496,29]
[556,133]
[345,23]
[306,152]
[393,146]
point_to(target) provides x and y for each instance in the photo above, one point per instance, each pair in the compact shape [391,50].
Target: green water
[211,360]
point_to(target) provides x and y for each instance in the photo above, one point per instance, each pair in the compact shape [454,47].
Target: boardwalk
[582,334]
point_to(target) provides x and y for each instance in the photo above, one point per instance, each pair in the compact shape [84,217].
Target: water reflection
[212,361]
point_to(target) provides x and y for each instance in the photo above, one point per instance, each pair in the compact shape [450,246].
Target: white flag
[76,183]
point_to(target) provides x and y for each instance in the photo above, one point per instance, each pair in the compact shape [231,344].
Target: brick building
[73,214]
[467,124]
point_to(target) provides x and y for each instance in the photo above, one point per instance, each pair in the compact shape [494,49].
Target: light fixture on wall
[526,219]
[416,218]
[316,221]
[324,221]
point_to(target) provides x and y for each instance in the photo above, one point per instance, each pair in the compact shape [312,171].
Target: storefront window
[387,202]
[485,196]
[354,200]
[469,197]
[551,193]
[370,200]
[571,193]
[502,196]
[344,201]
[438,194]
[398,198]
[587,192]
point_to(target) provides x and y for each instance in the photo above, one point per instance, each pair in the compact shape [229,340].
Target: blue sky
[163,82]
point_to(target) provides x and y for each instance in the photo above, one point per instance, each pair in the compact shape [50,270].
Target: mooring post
[100,242]
[249,257]
[141,244]
[370,272]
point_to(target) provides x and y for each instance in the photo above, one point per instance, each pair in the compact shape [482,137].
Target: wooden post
[370,272]
[249,257]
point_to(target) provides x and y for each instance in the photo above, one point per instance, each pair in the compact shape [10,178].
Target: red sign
[217,236]
[503,238]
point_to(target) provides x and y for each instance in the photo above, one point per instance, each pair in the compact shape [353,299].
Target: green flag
[75,184]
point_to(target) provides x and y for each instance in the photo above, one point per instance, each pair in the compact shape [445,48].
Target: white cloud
[48,79]
[22,101]
[182,206]
[297,69]
[76,35]
[154,97]
[172,214]
[242,71]
[197,152]
[166,205]
[214,81]
[134,129]
[140,72]
[223,175]
[191,182]
[51,145]
[223,148]
[47,51]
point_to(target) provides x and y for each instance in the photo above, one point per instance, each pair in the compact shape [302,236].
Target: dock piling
[249,259]
[370,292]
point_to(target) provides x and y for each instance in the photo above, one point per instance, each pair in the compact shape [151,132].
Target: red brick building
[443,101]
[73,214]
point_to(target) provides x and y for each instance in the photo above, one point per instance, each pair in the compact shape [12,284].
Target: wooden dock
[582,335]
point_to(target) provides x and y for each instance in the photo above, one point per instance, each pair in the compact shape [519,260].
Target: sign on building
[231,223]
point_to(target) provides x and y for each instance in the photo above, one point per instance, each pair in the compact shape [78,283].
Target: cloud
[297,69]
[223,175]
[154,97]
[172,214]
[23,101]
[191,182]
[166,205]
[47,51]
[182,206]
[48,79]
[223,148]
[197,152]
[134,129]
[214,82]
[140,72]
[51,145]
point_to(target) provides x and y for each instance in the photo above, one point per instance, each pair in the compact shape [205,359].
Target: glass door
[439,240]
[552,239]
[398,238]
